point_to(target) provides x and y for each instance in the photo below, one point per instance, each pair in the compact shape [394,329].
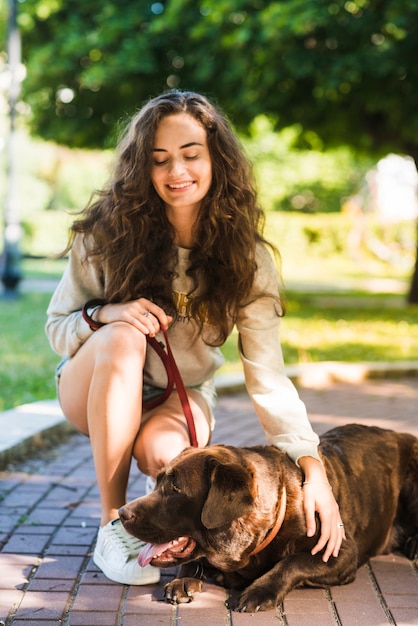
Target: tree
[344,70]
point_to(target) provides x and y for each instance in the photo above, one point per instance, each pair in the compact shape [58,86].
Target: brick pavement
[50,513]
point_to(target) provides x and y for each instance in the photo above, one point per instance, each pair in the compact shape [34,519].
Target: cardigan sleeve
[281,412]
[65,327]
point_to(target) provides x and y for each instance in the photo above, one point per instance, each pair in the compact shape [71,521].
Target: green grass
[363,331]
[26,360]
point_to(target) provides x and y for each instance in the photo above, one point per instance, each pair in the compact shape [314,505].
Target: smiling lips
[178,549]
[180,185]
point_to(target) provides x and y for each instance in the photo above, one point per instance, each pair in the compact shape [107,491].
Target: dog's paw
[182,590]
[251,601]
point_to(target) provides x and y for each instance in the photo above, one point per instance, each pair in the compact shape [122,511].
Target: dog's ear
[230,495]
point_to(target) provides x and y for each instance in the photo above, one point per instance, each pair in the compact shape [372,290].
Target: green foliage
[54,182]
[304,180]
[344,71]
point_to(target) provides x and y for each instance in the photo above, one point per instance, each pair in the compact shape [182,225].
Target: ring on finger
[340,525]
[146,314]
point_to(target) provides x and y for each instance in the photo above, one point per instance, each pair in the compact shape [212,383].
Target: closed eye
[186,158]
[175,488]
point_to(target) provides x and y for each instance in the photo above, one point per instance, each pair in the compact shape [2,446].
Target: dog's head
[199,498]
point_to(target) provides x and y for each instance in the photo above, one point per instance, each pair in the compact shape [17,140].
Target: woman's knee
[114,350]
[154,449]
[116,347]
[120,338]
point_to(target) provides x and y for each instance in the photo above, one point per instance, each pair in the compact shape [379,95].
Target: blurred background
[324,97]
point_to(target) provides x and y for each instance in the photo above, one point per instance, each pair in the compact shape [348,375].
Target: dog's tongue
[150,550]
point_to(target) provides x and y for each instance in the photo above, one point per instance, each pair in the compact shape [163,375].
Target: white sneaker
[116,554]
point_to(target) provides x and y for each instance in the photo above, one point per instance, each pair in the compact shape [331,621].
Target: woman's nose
[176,167]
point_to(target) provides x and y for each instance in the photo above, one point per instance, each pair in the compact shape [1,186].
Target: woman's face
[181,169]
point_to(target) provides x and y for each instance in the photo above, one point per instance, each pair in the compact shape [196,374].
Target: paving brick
[362,589]
[306,601]
[7,523]
[43,514]
[395,575]
[144,601]
[302,605]
[75,536]
[64,550]
[401,601]
[83,518]
[152,620]
[59,567]
[405,617]
[19,495]
[55,584]
[14,576]
[34,529]
[211,601]
[39,605]
[97,618]
[91,597]
[16,559]
[9,600]
[262,618]
[34,622]
[26,544]
[358,613]
[93,576]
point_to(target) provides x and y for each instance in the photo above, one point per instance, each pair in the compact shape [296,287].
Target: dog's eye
[175,488]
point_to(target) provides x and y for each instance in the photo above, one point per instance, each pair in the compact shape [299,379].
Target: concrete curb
[29,428]
[325,372]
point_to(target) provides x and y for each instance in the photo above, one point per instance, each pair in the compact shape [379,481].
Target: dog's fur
[222,502]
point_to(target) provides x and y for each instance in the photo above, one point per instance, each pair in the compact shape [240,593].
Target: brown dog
[238,512]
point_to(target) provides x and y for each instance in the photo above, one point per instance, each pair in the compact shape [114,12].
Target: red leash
[173,378]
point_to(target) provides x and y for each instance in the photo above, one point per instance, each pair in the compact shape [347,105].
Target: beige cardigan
[281,412]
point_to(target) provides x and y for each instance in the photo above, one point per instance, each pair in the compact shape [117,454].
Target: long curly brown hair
[129,233]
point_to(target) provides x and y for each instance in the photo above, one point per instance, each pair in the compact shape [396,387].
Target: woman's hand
[144,314]
[318,498]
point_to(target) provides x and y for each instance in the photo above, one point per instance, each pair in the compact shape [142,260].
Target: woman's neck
[183,227]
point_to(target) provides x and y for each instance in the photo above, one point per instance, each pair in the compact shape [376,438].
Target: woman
[174,241]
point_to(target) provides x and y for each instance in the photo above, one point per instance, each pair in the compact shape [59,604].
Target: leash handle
[174,377]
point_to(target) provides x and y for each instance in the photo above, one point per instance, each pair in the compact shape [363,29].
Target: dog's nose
[125,514]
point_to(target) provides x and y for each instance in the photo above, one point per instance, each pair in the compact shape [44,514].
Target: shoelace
[127,543]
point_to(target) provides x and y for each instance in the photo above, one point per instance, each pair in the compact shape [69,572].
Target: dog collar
[276,527]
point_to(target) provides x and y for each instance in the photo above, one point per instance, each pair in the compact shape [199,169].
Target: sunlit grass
[26,360]
[310,333]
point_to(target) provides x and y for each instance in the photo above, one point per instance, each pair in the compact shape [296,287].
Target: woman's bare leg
[101,395]
[164,433]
